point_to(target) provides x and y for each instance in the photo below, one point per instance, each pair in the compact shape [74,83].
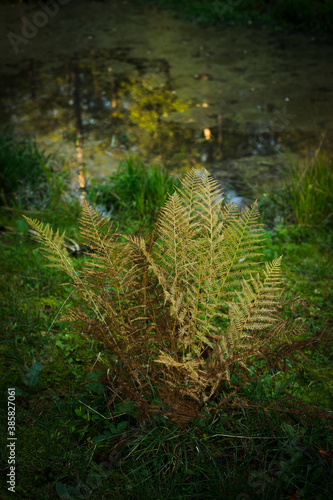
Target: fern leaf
[256,307]
[53,246]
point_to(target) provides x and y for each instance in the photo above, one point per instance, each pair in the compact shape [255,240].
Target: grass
[310,191]
[299,216]
[71,444]
[133,193]
[306,198]
[29,177]
[33,183]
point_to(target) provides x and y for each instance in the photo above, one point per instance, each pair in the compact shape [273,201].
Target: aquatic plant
[187,312]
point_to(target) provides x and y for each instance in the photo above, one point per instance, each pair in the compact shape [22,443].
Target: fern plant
[184,309]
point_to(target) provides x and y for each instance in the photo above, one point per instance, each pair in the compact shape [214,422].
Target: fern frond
[189,228]
[91,224]
[112,264]
[243,237]
[201,256]
[256,307]
[53,246]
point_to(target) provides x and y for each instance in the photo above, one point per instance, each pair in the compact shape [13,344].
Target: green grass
[306,199]
[71,444]
[34,183]
[29,178]
[133,195]
[310,191]
[300,220]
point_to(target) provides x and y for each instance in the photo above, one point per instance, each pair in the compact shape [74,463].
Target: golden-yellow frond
[53,246]
[187,307]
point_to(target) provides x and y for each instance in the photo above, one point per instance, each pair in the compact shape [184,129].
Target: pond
[105,79]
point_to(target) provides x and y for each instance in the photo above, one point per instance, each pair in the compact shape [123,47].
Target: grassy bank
[72,444]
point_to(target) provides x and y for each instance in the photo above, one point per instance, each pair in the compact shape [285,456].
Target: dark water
[131,81]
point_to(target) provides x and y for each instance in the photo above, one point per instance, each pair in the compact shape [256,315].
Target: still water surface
[137,81]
